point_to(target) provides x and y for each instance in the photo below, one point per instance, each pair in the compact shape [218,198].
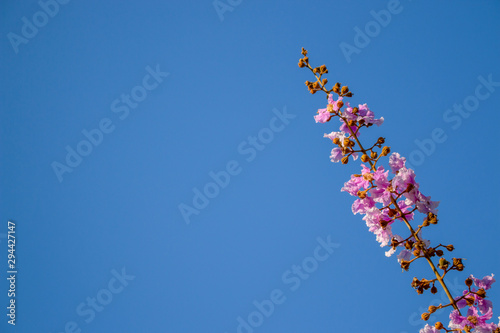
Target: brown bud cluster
[431,219]
[420,285]
[443,264]
[457,263]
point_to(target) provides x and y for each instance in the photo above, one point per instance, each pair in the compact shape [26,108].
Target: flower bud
[381,141]
[385,151]
[361,194]
[345,159]
[432,309]
[344,90]
[439,325]
[340,104]
[336,141]
[355,110]
[443,263]
[301,63]
[349,94]
[336,88]
[425,316]
[434,290]
[373,154]
[323,69]
[405,265]
[468,282]
[450,247]
[481,293]
[365,158]
[439,253]
[304,52]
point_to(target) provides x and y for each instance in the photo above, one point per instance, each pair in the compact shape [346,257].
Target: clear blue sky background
[119,208]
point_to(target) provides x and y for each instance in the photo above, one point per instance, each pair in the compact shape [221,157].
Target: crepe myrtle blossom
[429,329]
[473,319]
[481,303]
[384,200]
[325,114]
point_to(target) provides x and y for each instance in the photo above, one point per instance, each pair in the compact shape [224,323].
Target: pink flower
[396,162]
[429,329]
[404,178]
[473,319]
[323,116]
[362,205]
[355,184]
[336,155]
[373,218]
[334,103]
[404,255]
[425,205]
[335,135]
[483,305]
[485,282]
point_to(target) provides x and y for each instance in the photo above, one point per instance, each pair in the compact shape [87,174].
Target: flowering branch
[400,198]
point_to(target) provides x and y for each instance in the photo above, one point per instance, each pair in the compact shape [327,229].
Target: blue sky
[114,114]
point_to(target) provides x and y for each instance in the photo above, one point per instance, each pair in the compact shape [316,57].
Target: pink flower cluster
[479,312]
[372,187]
[385,199]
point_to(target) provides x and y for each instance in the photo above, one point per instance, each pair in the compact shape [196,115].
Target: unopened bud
[381,140]
[301,63]
[481,293]
[434,290]
[439,325]
[443,263]
[349,94]
[365,158]
[361,194]
[439,253]
[323,69]
[336,88]
[450,247]
[344,90]
[340,104]
[405,265]
[345,159]
[385,151]
[374,154]
[432,309]
[468,282]
[336,141]
[355,110]
[425,316]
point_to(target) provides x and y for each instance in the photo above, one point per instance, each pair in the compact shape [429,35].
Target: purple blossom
[396,162]
[485,282]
